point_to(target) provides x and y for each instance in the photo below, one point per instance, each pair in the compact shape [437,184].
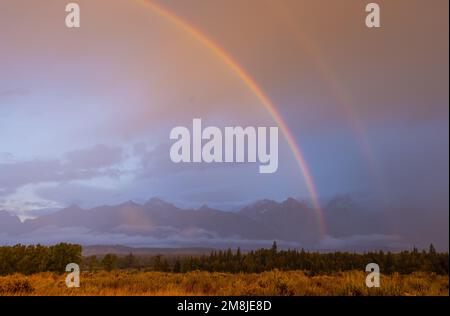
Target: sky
[85,114]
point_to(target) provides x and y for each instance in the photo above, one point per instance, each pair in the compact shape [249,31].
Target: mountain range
[158,222]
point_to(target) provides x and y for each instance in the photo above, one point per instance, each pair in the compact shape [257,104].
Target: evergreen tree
[109,262]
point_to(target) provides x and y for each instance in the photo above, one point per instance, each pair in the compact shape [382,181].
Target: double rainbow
[258,92]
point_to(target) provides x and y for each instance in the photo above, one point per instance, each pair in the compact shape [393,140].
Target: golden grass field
[206,283]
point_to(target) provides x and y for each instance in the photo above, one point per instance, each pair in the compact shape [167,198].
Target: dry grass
[205,283]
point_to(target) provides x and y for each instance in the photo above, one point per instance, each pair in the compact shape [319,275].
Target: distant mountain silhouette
[290,220]
[265,220]
[346,217]
[9,223]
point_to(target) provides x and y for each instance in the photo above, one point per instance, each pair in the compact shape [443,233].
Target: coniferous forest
[37,258]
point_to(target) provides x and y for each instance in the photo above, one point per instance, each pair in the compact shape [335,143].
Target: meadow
[283,283]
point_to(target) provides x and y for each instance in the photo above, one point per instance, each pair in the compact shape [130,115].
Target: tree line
[260,260]
[38,258]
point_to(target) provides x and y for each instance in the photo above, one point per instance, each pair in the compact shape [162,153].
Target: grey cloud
[156,162]
[96,157]
[33,171]
[72,193]
[83,164]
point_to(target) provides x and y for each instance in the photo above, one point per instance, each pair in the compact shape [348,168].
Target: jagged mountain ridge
[159,218]
[290,220]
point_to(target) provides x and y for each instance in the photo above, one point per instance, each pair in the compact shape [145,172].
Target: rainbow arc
[264,100]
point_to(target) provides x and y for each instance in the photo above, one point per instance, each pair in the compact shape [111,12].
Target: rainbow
[258,92]
[343,98]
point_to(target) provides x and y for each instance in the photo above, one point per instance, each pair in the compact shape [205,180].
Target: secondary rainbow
[258,92]
[344,99]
